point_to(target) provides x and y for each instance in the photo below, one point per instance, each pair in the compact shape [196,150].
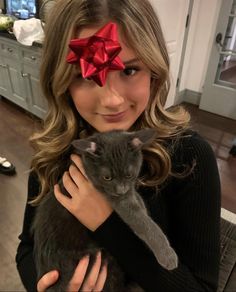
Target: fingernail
[72,165]
[55,275]
[99,254]
[86,257]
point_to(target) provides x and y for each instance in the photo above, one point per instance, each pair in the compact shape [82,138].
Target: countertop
[12,37]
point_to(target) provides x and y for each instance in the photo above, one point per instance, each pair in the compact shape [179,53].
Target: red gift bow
[98,54]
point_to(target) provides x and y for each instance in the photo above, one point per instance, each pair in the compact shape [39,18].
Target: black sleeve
[193,230]
[24,255]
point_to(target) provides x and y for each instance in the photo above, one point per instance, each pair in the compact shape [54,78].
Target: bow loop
[98,54]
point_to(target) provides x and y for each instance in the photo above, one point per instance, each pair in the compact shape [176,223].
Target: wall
[1,4]
[199,43]
[172,16]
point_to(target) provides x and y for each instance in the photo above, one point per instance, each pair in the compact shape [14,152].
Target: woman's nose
[111,93]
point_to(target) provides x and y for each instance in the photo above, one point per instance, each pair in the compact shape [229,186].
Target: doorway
[219,92]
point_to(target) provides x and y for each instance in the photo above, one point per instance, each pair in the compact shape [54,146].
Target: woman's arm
[25,261]
[24,255]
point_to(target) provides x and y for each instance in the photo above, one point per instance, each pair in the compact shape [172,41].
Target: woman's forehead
[88,31]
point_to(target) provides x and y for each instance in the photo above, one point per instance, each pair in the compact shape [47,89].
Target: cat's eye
[107,177]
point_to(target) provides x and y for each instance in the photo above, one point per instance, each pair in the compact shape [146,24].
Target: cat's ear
[143,137]
[84,145]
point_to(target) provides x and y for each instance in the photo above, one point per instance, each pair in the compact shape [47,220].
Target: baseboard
[189,96]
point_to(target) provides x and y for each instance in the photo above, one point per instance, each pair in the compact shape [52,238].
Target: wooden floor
[16,127]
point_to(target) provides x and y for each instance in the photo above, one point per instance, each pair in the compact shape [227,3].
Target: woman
[181,183]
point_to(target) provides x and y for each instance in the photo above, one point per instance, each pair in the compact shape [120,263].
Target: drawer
[31,57]
[9,51]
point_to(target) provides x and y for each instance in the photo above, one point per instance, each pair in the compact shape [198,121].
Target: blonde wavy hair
[142,31]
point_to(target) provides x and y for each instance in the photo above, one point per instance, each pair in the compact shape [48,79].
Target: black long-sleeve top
[188,211]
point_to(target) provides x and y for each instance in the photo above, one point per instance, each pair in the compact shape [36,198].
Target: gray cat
[112,162]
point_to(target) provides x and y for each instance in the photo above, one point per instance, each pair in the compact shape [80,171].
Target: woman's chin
[115,126]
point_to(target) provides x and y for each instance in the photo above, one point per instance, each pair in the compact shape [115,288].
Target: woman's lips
[114,118]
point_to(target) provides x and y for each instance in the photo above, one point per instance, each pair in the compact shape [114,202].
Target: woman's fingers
[47,280]
[69,184]
[93,276]
[101,279]
[79,274]
[78,162]
[94,281]
[62,199]
[76,176]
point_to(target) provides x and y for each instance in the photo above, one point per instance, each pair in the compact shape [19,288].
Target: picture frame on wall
[22,9]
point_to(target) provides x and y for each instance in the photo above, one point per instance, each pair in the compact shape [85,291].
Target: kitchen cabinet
[19,76]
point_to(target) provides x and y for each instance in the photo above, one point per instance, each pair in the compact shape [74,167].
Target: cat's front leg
[141,203]
[158,243]
[145,228]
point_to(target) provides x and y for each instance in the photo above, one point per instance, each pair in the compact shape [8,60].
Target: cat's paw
[168,259]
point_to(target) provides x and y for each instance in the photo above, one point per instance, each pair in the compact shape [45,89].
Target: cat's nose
[122,189]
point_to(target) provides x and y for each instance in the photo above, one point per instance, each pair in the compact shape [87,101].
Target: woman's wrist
[100,218]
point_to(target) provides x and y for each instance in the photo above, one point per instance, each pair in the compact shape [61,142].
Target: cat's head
[112,160]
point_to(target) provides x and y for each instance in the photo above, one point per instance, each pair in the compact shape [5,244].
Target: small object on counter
[28,31]
[6,22]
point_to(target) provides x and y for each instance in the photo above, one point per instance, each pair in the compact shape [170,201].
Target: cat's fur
[112,162]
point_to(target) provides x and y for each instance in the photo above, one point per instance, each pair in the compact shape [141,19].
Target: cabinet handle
[10,50]
[33,58]
[24,74]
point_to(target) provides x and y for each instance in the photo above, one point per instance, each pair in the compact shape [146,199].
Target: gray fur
[112,162]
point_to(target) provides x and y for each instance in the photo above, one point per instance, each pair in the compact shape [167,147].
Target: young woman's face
[119,103]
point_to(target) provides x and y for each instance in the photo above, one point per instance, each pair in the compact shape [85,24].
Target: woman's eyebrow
[131,61]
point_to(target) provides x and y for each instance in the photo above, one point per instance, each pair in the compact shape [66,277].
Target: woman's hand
[86,203]
[94,281]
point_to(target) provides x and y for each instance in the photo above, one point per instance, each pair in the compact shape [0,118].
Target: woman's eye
[88,79]
[130,71]
[80,77]
[107,177]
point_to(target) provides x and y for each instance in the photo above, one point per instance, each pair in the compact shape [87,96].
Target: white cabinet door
[4,84]
[31,63]
[173,15]
[12,74]
[19,76]
[38,104]
[17,83]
